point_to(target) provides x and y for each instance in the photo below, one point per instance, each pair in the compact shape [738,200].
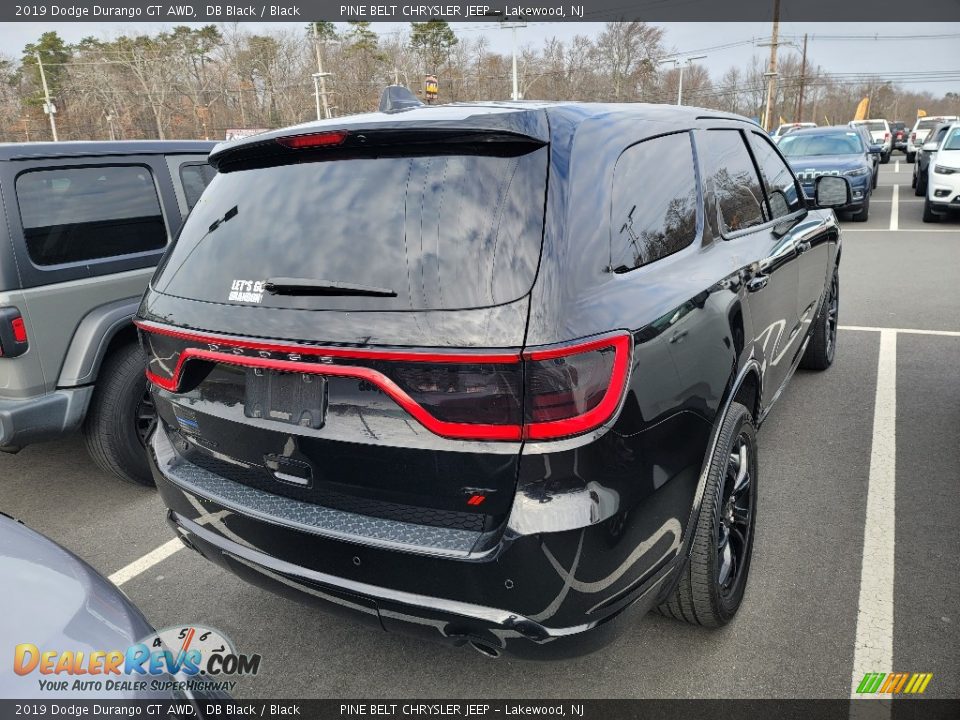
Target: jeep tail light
[330,138]
[13,333]
[541,394]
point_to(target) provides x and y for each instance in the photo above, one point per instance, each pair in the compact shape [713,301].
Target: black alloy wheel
[734,531]
[146,417]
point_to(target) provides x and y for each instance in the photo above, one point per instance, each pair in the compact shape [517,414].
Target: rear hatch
[341,318]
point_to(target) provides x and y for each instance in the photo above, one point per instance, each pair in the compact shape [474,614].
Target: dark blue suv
[832,151]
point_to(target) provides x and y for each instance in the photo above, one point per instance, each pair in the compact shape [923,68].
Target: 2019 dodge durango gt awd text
[490,373]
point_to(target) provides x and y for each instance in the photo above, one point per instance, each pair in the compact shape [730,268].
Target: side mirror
[929,146]
[831,191]
[876,149]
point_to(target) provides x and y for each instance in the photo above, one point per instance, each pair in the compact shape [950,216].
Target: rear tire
[884,159]
[712,584]
[118,419]
[823,335]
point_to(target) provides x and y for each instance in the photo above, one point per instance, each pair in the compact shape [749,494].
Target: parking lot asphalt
[876,437]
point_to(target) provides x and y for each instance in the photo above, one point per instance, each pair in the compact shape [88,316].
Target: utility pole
[803,81]
[513,25]
[48,107]
[771,73]
[320,78]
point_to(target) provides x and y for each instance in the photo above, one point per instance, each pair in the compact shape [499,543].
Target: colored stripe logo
[893,683]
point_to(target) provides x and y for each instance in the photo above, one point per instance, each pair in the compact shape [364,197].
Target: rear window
[442,232]
[927,124]
[88,213]
[839,143]
[877,125]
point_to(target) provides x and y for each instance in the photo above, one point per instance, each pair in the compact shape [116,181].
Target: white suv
[943,177]
[921,129]
[880,134]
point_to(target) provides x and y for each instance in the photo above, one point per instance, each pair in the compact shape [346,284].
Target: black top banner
[127,11]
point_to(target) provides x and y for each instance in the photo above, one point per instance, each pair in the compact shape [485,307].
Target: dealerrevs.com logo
[189,657]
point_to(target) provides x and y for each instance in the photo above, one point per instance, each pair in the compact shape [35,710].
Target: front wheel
[929,216]
[911,157]
[711,587]
[921,184]
[121,417]
[823,335]
[864,214]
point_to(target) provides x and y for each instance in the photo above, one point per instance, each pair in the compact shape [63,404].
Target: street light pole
[513,25]
[680,63]
[48,107]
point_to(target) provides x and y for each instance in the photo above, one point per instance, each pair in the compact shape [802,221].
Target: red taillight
[886,136]
[314,140]
[573,390]
[542,394]
[19,330]
[13,333]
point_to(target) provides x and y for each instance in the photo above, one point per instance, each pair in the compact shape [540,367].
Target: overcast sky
[881,48]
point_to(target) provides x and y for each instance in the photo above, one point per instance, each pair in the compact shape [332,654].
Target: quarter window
[735,181]
[87,213]
[782,195]
[195,178]
[654,211]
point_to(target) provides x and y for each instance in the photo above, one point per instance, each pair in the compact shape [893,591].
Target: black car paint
[598,523]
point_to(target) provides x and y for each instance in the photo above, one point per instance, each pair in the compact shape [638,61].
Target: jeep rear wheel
[121,417]
[712,585]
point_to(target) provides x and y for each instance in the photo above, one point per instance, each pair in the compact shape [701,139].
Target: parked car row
[921,130]
[937,172]
[419,382]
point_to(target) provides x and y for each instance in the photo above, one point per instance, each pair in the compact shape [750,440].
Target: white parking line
[873,648]
[896,166]
[911,331]
[141,565]
[895,209]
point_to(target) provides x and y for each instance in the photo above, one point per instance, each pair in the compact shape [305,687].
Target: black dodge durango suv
[490,373]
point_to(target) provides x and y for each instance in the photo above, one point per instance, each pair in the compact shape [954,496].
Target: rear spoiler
[414,130]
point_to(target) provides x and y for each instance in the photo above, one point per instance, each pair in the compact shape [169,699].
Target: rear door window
[87,213]
[735,182]
[654,206]
[441,231]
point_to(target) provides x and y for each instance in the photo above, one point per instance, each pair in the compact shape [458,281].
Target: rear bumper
[518,597]
[30,420]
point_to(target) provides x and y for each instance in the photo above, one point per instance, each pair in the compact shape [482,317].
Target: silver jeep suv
[85,223]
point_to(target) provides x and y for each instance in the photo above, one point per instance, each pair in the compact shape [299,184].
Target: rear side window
[654,207]
[440,231]
[735,181]
[87,213]
[782,196]
[195,177]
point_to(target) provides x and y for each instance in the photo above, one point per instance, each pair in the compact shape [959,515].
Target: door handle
[677,337]
[803,247]
[757,282]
